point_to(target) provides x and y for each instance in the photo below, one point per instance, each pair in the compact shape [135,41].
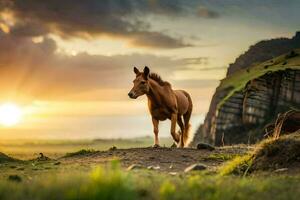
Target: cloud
[207,13]
[196,61]
[37,71]
[156,39]
[94,18]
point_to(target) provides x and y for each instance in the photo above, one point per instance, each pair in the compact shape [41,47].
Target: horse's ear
[136,70]
[146,71]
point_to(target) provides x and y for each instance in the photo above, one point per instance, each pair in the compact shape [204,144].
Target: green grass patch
[239,165]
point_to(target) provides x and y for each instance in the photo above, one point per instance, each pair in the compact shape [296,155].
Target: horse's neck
[155,94]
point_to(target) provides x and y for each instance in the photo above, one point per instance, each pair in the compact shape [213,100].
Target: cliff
[251,97]
[264,50]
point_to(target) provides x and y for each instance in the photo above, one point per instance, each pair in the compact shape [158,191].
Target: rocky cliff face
[239,111]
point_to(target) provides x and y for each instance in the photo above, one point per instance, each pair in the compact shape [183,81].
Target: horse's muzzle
[131,95]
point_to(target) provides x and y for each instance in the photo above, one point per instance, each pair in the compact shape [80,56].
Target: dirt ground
[165,159]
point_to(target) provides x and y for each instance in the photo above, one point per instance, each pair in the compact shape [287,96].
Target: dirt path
[168,159]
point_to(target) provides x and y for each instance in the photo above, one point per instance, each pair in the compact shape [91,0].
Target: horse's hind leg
[180,123]
[186,118]
[173,127]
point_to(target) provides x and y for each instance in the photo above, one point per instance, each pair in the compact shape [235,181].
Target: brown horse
[164,103]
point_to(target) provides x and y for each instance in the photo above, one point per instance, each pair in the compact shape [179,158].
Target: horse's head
[140,83]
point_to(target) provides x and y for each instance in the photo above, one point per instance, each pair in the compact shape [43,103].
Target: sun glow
[10,114]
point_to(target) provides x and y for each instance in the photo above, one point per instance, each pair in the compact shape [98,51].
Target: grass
[81,152]
[240,78]
[238,166]
[6,158]
[81,180]
[113,183]
[220,156]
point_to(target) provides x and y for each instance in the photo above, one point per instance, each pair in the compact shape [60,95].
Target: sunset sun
[10,114]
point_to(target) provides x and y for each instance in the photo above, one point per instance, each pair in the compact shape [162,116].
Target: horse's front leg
[173,127]
[155,123]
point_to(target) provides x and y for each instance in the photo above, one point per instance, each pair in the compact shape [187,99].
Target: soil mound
[283,152]
[274,154]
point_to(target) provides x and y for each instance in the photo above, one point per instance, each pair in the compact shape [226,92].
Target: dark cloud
[207,13]
[156,39]
[90,18]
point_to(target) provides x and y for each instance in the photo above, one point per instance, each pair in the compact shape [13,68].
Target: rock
[173,173]
[134,167]
[57,163]
[151,167]
[15,178]
[205,146]
[195,167]
[281,170]
[42,157]
[171,167]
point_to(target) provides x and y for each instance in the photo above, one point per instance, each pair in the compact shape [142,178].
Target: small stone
[151,167]
[173,173]
[57,163]
[281,170]
[15,178]
[42,157]
[171,167]
[205,146]
[196,167]
[134,166]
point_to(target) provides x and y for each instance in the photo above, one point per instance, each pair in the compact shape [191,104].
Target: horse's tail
[186,118]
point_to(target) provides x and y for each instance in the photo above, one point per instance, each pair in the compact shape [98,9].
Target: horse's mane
[158,79]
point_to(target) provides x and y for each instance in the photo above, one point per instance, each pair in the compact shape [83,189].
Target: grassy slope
[239,79]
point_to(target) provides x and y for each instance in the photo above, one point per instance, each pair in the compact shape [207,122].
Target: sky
[69,64]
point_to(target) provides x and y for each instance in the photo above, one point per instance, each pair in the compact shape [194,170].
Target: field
[28,149]
[95,170]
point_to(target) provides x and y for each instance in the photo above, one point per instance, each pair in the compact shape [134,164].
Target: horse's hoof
[156,146]
[174,145]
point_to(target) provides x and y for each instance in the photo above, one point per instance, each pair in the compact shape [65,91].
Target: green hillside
[238,80]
